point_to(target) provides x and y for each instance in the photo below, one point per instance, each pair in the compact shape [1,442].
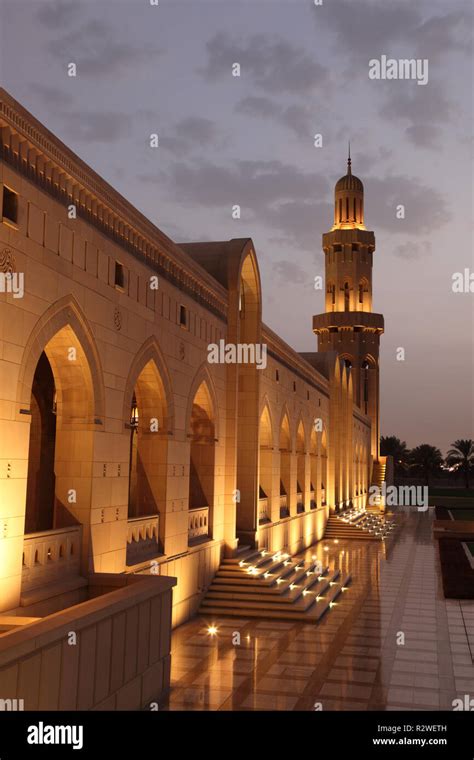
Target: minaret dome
[349,201]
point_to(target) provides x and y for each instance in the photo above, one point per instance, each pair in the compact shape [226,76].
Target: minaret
[348,325]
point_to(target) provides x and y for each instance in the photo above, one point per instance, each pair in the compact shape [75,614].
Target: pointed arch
[202,377]
[201,426]
[150,364]
[285,442]
[266,429]
[250,297]
[301,485]
[63,326]
[300,436]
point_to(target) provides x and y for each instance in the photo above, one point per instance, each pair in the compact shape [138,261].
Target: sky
[249,140]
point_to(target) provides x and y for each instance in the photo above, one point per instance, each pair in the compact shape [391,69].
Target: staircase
[263,584]
[359,524]
[378,477]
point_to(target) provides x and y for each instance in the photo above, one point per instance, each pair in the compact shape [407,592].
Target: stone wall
[121,658]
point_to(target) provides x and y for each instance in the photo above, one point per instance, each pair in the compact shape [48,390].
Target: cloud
[51,96]
[295,117]
[274,64]
[402,30]
[95,49]
[188,134]
[425,110]
[299,224]
[295,206]
[100,127]
[372,28]
[425,208]
[257,105]
[413,249]
[57,14]
[368,27]
[291,272]
[251,184]
[87,126]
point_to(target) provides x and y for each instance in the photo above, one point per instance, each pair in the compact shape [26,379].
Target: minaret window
[346,296]
[347,209]
[333,294]
[340,210]
[361,293]
[365,368]
[355,210]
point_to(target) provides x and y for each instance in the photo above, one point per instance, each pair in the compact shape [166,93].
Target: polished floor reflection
[391,642]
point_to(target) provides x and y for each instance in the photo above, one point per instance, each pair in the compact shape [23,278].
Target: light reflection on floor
[350,660]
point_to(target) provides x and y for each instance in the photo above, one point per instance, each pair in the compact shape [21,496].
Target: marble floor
[392,642]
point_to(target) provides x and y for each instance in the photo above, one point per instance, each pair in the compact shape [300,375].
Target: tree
[461,456]
[390,445]
[426,460]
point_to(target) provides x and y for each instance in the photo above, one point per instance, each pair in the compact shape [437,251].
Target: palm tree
[461,456]
[426,460]
[390,445]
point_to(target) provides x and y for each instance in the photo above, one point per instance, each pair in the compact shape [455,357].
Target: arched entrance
[148,444]
[148,423]
[314,467]
[60,455]
[265,481]
[41,486]
[300,468]
[201,465]
[324,468]
[285,467]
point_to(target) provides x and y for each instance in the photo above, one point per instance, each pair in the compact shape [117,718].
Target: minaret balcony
[366,320]
[342,236]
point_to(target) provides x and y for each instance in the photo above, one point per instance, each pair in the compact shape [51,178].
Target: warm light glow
[212,630]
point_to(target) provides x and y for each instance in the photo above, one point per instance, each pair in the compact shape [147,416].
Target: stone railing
[263,515]
[283,505]
[142,538]
[198,522]
[121,660]
[51,555]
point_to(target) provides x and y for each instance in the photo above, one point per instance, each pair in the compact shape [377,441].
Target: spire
[349,171]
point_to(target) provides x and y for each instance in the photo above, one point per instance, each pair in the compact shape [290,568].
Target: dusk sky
[248,140]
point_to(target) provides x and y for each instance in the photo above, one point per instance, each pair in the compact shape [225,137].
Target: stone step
[313,614]
[283,568]
[313,583]
[245,556]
